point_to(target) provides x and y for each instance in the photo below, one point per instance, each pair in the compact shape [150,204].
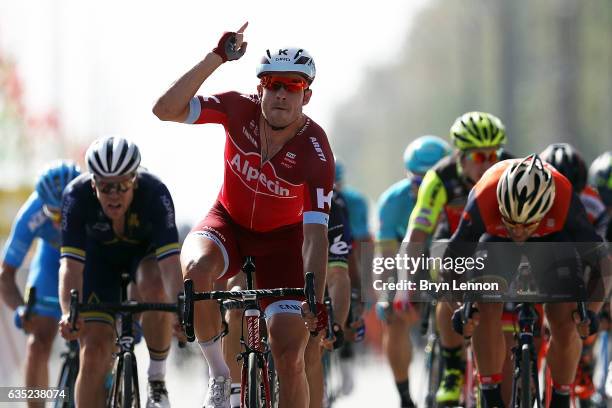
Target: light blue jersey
[394,208]
[32,223]
[357,205]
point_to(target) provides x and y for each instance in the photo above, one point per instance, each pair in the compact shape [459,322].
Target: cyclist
[273,204]
[478,138]
[568,161]
[394,208]
[600,178]
[526,200]
[118,218]
[339,290]
[39,217]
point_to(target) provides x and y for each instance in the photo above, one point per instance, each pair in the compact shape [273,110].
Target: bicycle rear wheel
[433,367]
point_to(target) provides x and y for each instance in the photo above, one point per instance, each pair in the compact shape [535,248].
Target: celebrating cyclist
[118,219]
[394,208]
[528,201]
[38,218]
[273,205]
[479,139]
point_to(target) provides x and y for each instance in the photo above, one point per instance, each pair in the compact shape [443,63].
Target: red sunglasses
[481,157]
[275,83]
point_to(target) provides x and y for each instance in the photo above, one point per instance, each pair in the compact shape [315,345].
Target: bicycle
[434,365]
[124,391]
[332,375]
[255,379]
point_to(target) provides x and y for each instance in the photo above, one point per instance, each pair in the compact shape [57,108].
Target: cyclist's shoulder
[30,216]
[398,191]
[446,168]
[80,186]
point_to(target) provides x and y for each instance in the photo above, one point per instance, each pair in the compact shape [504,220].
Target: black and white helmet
[112,157]
[296,60]
[526,190]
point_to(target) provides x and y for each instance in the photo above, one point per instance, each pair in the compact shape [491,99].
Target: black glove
[458,318]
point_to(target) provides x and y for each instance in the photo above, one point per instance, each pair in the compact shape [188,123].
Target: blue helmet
[54,179]
[339,176]
[424,152]
[600,177]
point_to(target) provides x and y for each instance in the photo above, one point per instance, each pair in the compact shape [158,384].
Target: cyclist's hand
[66,330]
[405,309]
[314,323]
[177,328]
[355,332]
[20,321]
[328,343]
[231,45]
[465,329]
[587,327]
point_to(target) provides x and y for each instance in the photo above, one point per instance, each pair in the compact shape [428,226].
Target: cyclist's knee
[152,289]
[39,345]
[203,268]
[234,317]
[289,362]
[96,358]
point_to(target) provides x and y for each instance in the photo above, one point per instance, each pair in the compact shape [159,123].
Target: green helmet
[477,130]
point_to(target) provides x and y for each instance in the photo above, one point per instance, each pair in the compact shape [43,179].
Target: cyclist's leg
[278,262]
[101,283]
[288,340]
[397,347]
[157,329]
[565,346]
[210,253]
[97,346]
[314,371]
[339,287]
[45,314]
[452,379]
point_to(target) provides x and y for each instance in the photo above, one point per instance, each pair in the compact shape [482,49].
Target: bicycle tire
[253,384]
[273,381]
[126,381]
[526,401]
[62,384]
[434,367]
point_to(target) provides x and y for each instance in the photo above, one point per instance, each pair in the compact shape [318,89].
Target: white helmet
[296,60]
[112,157]
[526,190]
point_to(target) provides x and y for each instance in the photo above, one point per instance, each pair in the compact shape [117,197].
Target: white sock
[157,370]
[235,395]
[214,357]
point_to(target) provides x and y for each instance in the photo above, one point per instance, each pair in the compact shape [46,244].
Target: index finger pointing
[241,29]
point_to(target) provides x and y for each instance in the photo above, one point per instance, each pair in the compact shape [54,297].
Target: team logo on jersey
[550,223]
[339,247]
[36,220]
[317,148]
[133,221]
[244,168]
[324,199]
[289,160]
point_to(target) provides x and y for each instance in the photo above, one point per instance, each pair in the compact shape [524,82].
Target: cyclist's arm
[8,287]
[70,277]
[314,253]
[172,276]
[19,242]
[424,218]
[173,105]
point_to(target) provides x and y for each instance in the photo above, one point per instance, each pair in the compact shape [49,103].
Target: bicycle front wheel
[126,381]
[253,386]
[526,401]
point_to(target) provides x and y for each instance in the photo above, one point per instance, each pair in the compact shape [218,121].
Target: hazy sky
[104,64]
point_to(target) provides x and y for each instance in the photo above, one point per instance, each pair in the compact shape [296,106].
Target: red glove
[226,48]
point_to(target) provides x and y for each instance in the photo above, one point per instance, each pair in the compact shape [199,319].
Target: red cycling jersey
[294,185]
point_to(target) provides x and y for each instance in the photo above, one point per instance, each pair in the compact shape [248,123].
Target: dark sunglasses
[120,187]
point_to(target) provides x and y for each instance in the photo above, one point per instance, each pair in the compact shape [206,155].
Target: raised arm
[173,105]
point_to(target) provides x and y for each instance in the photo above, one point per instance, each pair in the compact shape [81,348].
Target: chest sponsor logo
[324,199]
[101,226]
[317,148]
[250,173]
[289,160]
